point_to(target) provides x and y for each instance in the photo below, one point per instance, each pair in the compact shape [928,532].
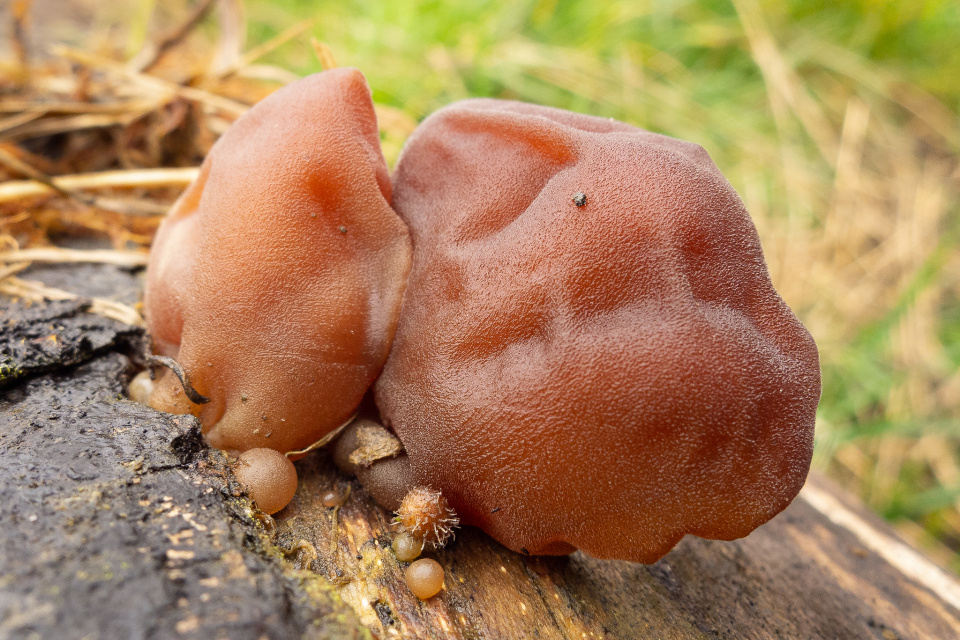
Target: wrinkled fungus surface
[277,278]
[607,372]
[590,353]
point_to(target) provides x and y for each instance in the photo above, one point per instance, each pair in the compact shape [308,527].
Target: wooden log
[117,520]
[822,569]
[120,523]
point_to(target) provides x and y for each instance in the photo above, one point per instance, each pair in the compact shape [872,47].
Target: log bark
[119,522]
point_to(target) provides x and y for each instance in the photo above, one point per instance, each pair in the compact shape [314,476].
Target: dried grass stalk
[39,292]
[57,254]
[150,83]
[152,52]
[137,178]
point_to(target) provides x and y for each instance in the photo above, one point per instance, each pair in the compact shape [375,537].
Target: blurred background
[837,122]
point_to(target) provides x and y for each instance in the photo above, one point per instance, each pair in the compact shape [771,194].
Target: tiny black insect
[494,510]
[579,198]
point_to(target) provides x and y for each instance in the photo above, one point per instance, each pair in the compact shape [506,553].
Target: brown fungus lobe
[275,314]
[610,377]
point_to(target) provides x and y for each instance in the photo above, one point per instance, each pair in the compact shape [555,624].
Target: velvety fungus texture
[590,353]
[425,514]
[276,280]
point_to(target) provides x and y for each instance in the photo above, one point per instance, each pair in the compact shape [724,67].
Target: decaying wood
[120,523]
[374,443]
[806,574]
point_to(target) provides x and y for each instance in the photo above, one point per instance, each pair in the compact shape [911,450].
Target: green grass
[702,40]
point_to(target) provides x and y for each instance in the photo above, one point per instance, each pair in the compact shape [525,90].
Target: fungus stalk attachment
[426,515]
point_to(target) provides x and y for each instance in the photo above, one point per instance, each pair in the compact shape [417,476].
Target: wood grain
[822,569]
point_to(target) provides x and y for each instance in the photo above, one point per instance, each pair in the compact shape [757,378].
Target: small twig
[19,118]
[151,53]
[195,396]
[21,15]
[336,512]
[131,207]
[324,54]
[325,439]
[117,206]
[267,73]
[17,165]
[150,82]
[68,107]
[37,291]
[38,128]
[57,254]
[233,30]
[267,47]
[10,269]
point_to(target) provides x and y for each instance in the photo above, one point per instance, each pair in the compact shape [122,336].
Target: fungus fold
[606,373]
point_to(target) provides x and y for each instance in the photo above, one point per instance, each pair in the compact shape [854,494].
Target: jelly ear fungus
[590,353]
[277,279]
